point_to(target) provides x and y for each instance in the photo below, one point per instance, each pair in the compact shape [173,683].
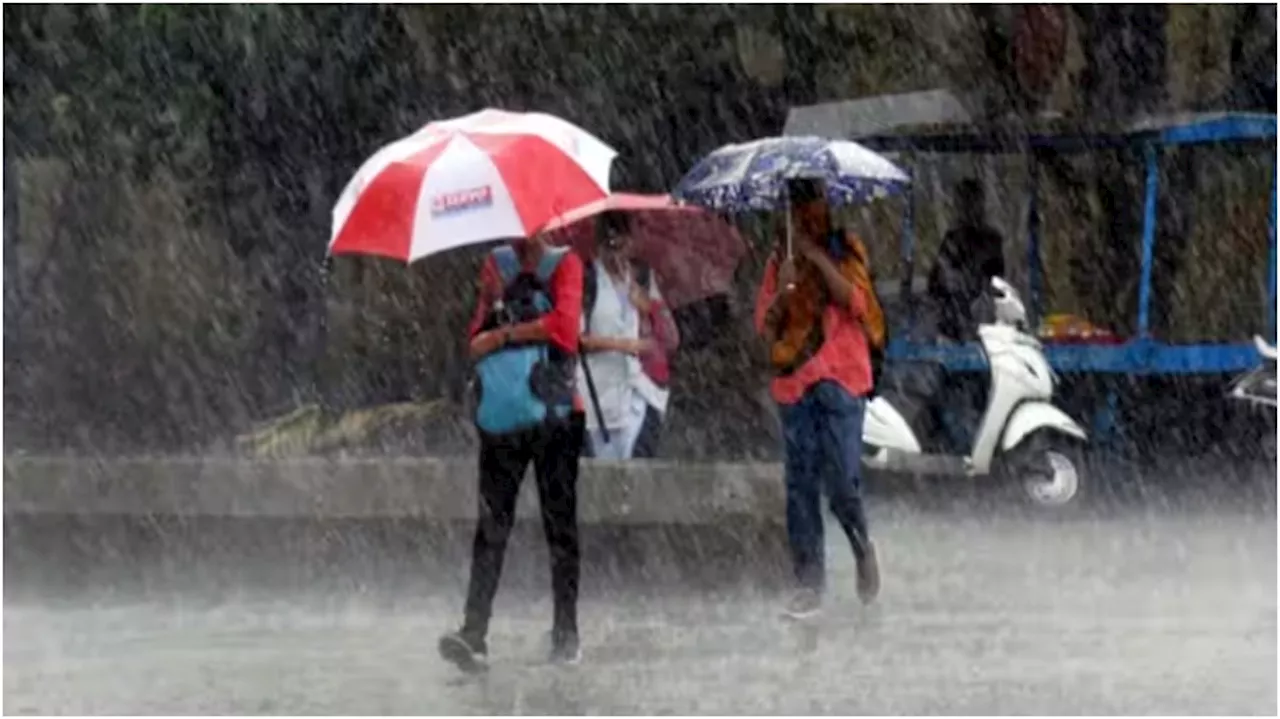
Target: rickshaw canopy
[1142,354]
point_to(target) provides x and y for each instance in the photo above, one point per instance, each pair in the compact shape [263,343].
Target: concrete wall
[636,494]
[430,489]
[147,525]
[76,527]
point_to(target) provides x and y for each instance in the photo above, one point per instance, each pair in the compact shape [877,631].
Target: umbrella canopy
[752,175]
[693,252]
[486,176]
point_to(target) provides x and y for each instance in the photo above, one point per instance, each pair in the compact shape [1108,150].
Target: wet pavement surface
[1131,612]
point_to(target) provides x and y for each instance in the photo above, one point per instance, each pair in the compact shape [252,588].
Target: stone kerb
[429,489]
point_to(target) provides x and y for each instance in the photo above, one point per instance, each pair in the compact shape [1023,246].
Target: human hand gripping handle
[787,274]
[837,284]
[808,249]
[488,342]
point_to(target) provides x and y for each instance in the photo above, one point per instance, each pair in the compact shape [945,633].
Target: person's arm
[592,344]
[562,326]
[559,327]
[628,345]
[488,341]
[486,293]
[766,297]
[595,343]
[837,284]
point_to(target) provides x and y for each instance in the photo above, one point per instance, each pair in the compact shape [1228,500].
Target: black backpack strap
[590,289]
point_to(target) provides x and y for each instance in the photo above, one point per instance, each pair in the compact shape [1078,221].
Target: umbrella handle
[790,251]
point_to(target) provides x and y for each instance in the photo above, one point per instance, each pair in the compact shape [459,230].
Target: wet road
[1132,613]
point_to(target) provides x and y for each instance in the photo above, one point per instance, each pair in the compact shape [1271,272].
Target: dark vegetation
[169,172]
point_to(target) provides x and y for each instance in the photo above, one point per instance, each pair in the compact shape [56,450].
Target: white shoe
[804,604]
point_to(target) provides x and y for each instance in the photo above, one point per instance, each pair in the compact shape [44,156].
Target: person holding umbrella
[530,298]
[496,175]
[813,310]
[818,311]
[650,256]
[625,323]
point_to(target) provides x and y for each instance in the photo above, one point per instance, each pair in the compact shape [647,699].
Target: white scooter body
[1019,404]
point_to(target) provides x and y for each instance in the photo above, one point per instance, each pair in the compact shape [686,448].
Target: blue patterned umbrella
[752,175]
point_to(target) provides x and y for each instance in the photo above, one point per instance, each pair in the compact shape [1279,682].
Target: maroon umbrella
[693,252]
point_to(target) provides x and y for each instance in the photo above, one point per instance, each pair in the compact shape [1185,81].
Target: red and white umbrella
[490,175]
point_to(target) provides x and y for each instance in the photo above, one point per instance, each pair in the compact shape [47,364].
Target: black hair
[969,190]
[806,189]
[610,226]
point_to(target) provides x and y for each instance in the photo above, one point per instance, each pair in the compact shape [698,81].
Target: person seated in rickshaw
[943,407]
[972,252]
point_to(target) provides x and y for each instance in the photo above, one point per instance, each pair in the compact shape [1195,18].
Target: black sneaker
[565,649]
[469,656]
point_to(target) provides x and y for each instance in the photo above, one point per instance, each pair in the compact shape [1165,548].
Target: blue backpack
[523,386]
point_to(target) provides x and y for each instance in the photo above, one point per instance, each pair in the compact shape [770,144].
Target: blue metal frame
[1012,139]
[1143,355]
[1137,357]
[908,256]
[1152,156]
[1221,128]
[1271,262]
[1033,241]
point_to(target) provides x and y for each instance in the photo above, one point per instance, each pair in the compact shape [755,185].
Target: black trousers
[554,451]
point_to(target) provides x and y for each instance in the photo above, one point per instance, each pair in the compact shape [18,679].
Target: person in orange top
[812,311]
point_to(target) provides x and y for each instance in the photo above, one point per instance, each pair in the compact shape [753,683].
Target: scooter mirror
[1002,288]
[1264,349]
[1009,309]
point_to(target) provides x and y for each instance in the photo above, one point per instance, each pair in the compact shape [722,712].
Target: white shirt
[622,386]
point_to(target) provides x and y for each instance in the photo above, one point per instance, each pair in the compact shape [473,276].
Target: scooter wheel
[1046,471]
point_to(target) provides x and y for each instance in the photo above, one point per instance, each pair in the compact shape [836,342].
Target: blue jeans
[823,434]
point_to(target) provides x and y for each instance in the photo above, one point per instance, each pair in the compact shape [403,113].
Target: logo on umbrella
[450,202]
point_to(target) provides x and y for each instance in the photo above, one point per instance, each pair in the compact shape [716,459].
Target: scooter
[1259,386]
[1022,436]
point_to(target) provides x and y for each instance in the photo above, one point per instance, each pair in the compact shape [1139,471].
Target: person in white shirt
[613,314]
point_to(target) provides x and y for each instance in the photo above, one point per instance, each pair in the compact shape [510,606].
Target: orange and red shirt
[844,357]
